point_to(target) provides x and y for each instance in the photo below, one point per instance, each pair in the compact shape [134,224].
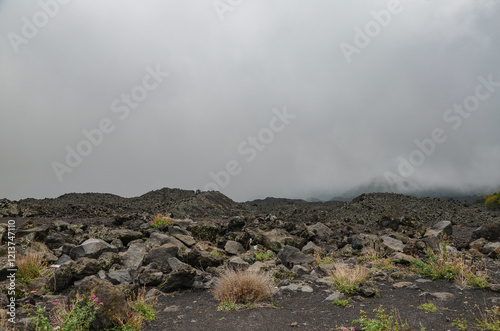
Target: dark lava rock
[490,232]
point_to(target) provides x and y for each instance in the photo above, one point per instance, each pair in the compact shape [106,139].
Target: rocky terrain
[108,244]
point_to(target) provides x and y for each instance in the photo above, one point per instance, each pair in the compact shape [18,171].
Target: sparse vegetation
[39,320]
[461,323]
[242,287]
[428,307]
[342,302]
[160,221]
[348,279]
[30,267]
[443,264]
[491,202]
[384,264]
[261,255]
[143,310]
[216,253]
[382,321]
[489,320]
[77,316]
[227,305]
[322,257]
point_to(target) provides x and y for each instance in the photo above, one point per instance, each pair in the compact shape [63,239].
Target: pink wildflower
[101,303]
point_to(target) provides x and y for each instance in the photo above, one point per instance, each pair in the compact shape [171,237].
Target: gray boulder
[124,235]
[276,239]
[108,259]
[91,248]
[392,245]
[321,231]
[238,263]
[233,247]
[151,275]
[492,249]
[84,267]
[134,256]
[310,248]
[161,254]
[490,232]
[61,279]
[182,276]
[119,277]
[291,256]
[439,230]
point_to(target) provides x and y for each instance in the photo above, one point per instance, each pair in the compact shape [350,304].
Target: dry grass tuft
[348,279]
[30,267]
[243,287]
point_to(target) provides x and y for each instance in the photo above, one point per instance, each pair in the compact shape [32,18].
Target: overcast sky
[254,97]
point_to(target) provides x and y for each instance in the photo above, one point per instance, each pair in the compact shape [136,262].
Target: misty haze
[290,99]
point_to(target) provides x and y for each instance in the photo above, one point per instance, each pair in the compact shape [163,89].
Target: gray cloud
[352,121]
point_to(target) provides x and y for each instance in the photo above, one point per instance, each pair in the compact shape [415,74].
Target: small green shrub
[263,255]
[492,202]
[322,257]
[461,323]
[479,281]
[384,264]
[142,307]
[143,310]
[160,221]
[77,316]
[38,319]
[442,264]
[342,303]
[382,322]
[490,320]
[428,307]
[227,305]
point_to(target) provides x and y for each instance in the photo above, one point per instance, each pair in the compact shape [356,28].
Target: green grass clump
[382,322]
[442,264]
[79,315]
[490,320]
[342,303]
[227,305]
[461,323]
[160,221]
[263,255]
[143,310]
[428,307]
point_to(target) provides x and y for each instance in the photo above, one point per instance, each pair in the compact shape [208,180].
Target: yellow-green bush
[492,202]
